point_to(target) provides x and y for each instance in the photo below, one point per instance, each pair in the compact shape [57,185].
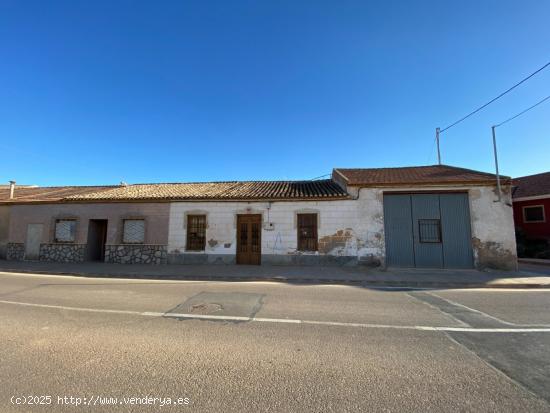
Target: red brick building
[531,199]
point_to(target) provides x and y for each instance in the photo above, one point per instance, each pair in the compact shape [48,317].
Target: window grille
[429,230]
[133,231]
[307,232]
[196,232]
[65,230]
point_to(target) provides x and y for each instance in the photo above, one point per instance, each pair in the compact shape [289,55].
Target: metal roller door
[428,230]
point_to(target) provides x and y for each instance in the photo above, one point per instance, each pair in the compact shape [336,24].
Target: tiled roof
[24,194]
[253,190]
[415,175]
[532,185]
[276,190]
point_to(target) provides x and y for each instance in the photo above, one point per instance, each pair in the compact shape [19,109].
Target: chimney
[12,189]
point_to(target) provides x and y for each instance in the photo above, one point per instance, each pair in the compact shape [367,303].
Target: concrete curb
[534,261]
[292,280]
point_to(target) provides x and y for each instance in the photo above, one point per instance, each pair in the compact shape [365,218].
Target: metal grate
[307,232]
[429,230]
[133,231]
[65,230]
[196,232]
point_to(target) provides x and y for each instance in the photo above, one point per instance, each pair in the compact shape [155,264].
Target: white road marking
[282,320]
[475,311]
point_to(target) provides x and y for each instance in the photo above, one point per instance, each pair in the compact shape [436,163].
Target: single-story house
[429,216]
[531,198]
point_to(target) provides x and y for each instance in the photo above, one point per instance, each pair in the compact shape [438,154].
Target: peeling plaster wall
[346,228]
[493,234]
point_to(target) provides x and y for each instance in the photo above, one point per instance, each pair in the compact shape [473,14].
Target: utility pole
[496,161]
[437,140]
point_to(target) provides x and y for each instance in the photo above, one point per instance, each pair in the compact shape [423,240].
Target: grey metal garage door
[428,230]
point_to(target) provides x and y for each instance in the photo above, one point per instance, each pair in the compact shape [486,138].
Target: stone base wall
[136,254]
[63,252]
[15,251]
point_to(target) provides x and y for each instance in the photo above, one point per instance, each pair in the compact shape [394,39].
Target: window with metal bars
[65,230]
[307,232]
[133,231]
[429,230]
[196,232]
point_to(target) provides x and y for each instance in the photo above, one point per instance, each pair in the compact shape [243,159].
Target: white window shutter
[65,230]
[134,231]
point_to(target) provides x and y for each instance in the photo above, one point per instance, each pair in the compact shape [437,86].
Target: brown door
[249,239]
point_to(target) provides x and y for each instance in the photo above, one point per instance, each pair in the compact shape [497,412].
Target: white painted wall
[492,224]
[361,218]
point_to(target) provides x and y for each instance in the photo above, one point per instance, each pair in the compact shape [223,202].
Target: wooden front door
[249,239]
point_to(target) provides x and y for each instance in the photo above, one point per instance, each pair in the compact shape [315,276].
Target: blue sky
[95,92]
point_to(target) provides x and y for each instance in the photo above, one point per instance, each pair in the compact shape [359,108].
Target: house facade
[531,197]
[434,216]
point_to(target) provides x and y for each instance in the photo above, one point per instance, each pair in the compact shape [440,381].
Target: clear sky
[95,92]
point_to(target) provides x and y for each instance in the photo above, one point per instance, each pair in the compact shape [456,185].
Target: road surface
[84,344]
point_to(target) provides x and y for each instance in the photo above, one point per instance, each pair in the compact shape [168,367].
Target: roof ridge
[530,176]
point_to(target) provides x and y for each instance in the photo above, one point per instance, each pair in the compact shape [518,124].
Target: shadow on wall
[531,248]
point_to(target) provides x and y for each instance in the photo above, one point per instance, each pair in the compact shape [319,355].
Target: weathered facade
[153,249]
[344,220]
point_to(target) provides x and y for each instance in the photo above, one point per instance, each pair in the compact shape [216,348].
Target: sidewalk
[534,261]
[414,278]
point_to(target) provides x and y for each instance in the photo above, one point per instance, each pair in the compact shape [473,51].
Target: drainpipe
[496,162]
[12,189]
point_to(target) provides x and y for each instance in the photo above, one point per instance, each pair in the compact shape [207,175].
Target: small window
[65,230]
[133,231]
[533,213]
[307,232]
[196,232]
[429,230]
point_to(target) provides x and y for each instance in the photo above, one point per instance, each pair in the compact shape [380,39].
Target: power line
[522,112]
[492,100]
[319,177]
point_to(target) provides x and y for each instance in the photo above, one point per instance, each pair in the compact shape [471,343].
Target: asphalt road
[213,346]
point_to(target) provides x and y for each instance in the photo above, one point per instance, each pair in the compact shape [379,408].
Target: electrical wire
[522,112]
[319,177]
[492,100]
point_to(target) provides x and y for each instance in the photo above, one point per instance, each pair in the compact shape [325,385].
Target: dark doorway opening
[97,237]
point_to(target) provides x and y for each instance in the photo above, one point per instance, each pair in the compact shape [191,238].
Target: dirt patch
[212,243]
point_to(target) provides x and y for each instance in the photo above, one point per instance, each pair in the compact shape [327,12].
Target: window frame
[439,231]
[56,221]
[123,241]
[188,226]
[299,226]
[533,206]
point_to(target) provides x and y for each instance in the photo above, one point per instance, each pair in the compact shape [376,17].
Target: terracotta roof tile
[532,185]
[415,175]
[46,193]
[277,190]
[253,190]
